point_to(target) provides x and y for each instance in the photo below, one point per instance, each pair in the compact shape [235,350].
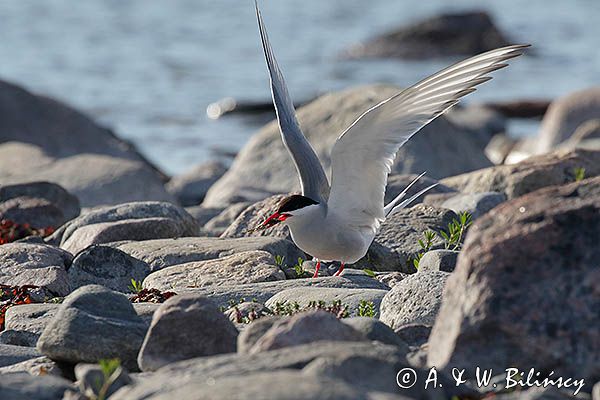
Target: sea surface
[148,69]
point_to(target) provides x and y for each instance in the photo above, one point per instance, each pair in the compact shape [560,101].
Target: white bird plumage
[363,154]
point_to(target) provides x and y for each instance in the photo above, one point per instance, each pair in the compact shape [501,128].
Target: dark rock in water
[21,386]
[181,221]
[396,243]
[476,204]
[542,247]
[184,327]
[94,323]
[305,327]
[51,192]
[106,266]
[35,264]
[438,260]
[520,108]
[162,253]
[89,375]
[239,268]
[397,183]
[263,167]
[415,300]
[515,180]
[10,354]
[191,187]
[373,329]
[253,216]
[461,34]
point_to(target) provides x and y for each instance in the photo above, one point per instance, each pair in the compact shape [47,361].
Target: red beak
[274,219]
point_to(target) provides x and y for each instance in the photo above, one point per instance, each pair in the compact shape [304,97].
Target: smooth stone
[106,266]
[26,322]
[475,204]
[21,386]
[221,222]
[438,260]
[415,334]
[38,213]
[253,216]
[240,268]
[191,186]
[162,253]
[33,366]
[184,327]
[10,354]
[91,324]
[203,214]
[373,329]
[416,299]
[543,247]
[349,297]
[35,264]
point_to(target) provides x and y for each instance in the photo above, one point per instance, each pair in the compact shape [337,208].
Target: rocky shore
[118,282]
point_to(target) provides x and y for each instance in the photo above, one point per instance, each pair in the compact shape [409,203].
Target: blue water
[148,69]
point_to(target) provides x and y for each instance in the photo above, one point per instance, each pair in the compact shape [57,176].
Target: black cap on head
[295,202]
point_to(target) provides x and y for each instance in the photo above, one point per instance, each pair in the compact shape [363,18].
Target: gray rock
[162,253]
[253,216]
[53,193]
[90,378]
[106,266]
[438,260]
[20,386]
[128,229]
[35,264]
[262,291]
[373,329]
[265,165]
[128,211]
[526,176]
[416,299]
[33,366]
[39,213]
[10,354]
[543,247]
[476,204]
[349,297]
[245,267]
[305,327]
[414,334]
[191,186]
[25,323]
[564,116]
[184,327]
[548,393]
[391,278]
[499,147]
[221,222]
[245,309]
[397,183]
[443,35]
[203,214]
[396,243]
[94,323]
[145,311]
[254,331]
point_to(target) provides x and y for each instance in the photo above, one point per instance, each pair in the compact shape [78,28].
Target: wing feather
[364,153]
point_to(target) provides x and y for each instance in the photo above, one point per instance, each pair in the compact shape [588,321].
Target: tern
[338,222]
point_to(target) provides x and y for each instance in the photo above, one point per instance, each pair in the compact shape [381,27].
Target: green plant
[135,286]
[369,272]
[290,308]
[425,246]
[366,309]
[456,230]
[111,369]
[579,174]
[279,261]
[299,268]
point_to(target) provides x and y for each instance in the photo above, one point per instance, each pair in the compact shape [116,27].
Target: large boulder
[35,264]
[186,326]
[542,247]
[264,166]
[443,35]
[515,180]
[94,323]
[253,216]
[191,186]
[239,268]
[565,115]
[25,323]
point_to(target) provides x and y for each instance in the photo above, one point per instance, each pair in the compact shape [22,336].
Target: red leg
[339,271]
[317,269]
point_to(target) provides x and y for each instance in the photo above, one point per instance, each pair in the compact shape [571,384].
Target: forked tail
[393,205]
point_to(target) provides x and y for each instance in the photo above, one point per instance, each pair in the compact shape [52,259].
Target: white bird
[339,222]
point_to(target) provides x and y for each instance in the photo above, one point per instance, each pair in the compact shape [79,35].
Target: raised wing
[363,155]
[313,180]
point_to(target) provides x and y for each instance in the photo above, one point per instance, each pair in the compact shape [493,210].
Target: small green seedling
[299,268]
[425,245]
[279,261]
[579,174]
[111,369]
[456,231]
[366,309]
[135,286]
[369,272]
